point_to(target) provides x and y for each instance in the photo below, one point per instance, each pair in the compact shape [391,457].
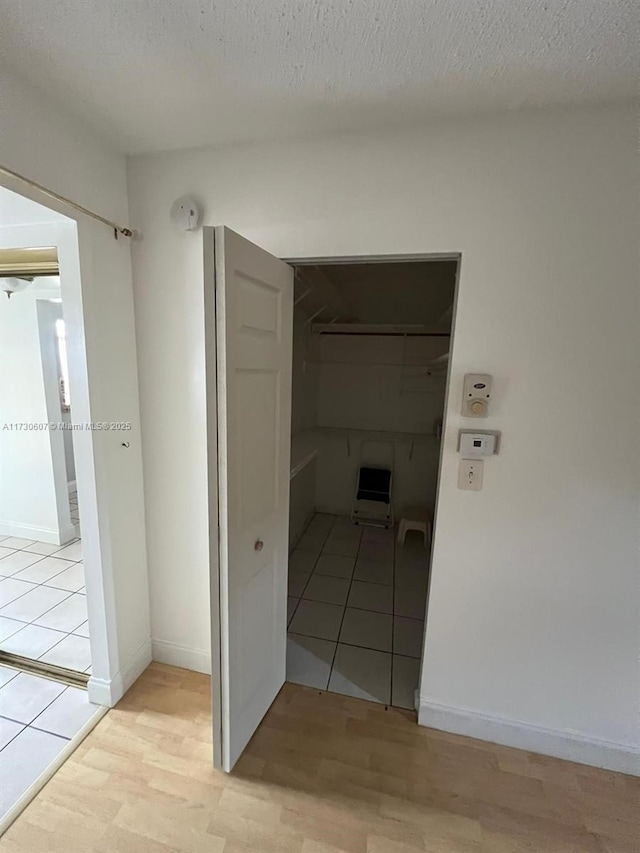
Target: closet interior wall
[368,398]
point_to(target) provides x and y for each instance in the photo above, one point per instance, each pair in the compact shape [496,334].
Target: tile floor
[356,611]
[38,717]
[43,609]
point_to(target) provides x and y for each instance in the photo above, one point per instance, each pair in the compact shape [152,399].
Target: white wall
[373,383]
[304,416]
[39,140]
[533,611]
[31,460]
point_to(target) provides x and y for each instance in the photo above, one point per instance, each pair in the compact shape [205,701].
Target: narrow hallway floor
[38,718]
[356,611]
[43,609]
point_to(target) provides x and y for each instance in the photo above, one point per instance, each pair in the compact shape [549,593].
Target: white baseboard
[40,534]
[571,746]
[187,657]
[108,692]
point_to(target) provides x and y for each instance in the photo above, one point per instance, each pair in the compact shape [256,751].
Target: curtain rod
[117,229]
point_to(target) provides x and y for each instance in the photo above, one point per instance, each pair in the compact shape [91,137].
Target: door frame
[211,414]
[412,257]
[79,242]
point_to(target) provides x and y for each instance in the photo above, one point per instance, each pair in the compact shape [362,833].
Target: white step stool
[418,519]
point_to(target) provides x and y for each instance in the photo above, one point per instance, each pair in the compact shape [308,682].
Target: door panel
[253,352]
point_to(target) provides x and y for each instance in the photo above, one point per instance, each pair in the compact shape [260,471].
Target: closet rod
[391,334]
[407,365]
[117,229]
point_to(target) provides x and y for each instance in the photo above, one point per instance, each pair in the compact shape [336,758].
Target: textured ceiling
[161,74]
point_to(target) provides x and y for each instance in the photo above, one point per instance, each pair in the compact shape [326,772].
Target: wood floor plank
[323,774]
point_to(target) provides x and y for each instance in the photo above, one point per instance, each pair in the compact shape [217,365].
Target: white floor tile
[312,543]
[45,569]
[32,641]
[42,548]
[2,538]
[302,561]
[72,652]
[6,674]
[4,552]
[409,603]
[326,588]
[367,629]
[71,552]
[379,553]
[8,730]
[316,619]
[8,627]
[407,636]
[341,547]
[26,696]
[17,561]
[296,583]
[292,603]
[67,714]
[309,660]
[335,565]
[363,673]
[377,536]
[11,589]
[34,604]
[23,760]
[344,525]
[71,578]
[82,630]
[371,596]
[374,571]
[66,616]
[406,672]
[16,542]
[321,523]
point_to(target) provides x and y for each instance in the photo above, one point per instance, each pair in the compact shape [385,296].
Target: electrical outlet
[470,474]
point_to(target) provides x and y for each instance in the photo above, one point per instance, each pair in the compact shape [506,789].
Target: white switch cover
[470,474]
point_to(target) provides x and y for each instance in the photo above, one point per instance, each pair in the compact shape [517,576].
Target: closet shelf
[304,449]
[376,329]
[305,445]
[374,434]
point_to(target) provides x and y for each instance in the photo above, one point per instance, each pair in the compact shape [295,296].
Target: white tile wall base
[571,746]
[174,654]
[109,692]
[41,534]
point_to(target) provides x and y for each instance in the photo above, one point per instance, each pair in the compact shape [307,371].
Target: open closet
[370,359]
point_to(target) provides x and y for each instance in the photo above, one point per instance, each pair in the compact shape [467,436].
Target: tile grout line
[314,564]
[344,610]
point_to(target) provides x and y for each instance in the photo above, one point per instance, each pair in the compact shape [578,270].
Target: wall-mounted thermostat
[474,444]
[475,395]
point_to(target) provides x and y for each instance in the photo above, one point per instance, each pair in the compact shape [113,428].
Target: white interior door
[253,328]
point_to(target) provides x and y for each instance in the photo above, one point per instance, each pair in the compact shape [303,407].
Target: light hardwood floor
[324,774]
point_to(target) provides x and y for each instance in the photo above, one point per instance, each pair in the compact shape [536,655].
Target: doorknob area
[259,545]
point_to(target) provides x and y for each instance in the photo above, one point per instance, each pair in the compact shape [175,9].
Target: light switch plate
[470,474]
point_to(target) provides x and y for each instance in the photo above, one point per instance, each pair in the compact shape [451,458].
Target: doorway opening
[368,388]
[371,342]
[45,644]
